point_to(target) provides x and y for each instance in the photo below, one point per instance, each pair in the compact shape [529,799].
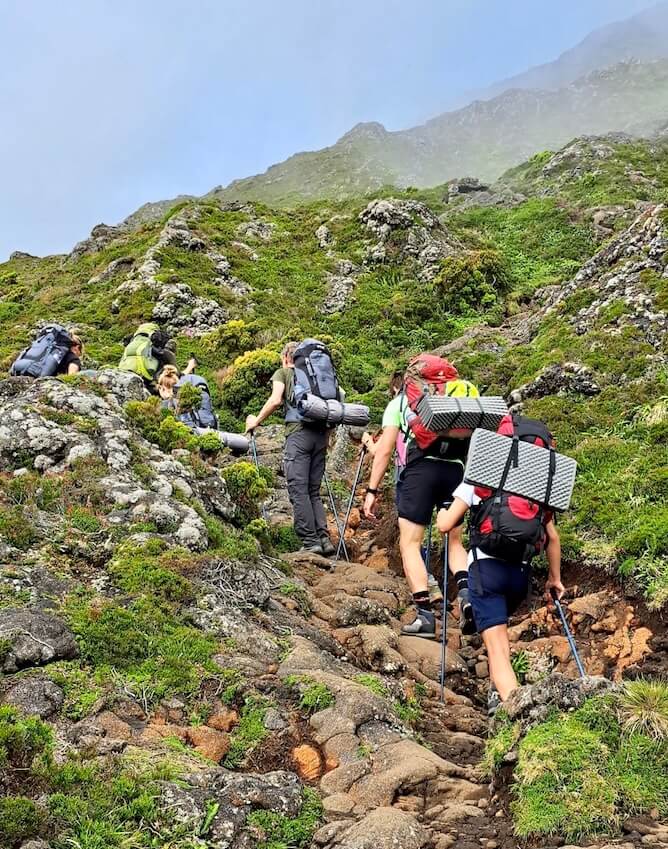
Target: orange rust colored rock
[378,561]
[355,518]
[210,743]
[113,726]
[307,761]
[223,720]
[331,763]
[156,731]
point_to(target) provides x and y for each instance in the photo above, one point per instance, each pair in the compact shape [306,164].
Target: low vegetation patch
[581,774]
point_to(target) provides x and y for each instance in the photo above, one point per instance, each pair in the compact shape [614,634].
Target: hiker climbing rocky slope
[194,684]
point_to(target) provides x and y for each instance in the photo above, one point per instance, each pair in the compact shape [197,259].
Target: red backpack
[508,526]
[426,374]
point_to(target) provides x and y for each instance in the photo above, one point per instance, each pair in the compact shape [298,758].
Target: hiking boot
[423,626]
[435,594]
[314,548]
[493,702]
[466,620]
[328,548]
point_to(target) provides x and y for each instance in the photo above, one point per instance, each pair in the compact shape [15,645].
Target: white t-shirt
[466,493]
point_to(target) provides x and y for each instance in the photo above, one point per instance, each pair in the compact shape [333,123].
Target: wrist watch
[371,490]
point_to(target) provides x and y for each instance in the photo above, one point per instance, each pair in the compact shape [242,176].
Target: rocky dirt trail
[383,786]
[314,685]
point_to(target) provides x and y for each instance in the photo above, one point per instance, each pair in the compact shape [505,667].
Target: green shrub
[247,486]
[643,708]
[473,281]
[519,661]
[189,398]
[249,732]
[84,520]
[583,773]
[373,683]
[23,740]
[230,339]
[159,426]
[276,831]
[145,642]
[20,819]
[284,538]
[147,569]
[15,528]
[313,696]
[246,385]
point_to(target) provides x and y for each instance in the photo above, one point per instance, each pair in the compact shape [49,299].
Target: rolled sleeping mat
[530,478]
[443,413]
[332,412]
[236,442]
[355,415]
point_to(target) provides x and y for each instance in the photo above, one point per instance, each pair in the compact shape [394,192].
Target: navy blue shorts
[496,590]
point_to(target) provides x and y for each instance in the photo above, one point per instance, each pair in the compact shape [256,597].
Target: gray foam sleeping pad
[442,413]
[333,412]
[487,458]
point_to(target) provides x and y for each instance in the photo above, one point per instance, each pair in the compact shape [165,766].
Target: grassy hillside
[489,263]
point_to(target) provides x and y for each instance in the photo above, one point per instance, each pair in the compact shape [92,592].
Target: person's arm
[191,365]
[381,460]
[553,552]
[74,368]
[272,404]
[448,519]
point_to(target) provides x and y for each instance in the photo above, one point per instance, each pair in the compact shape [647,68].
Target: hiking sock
[462,580]
[422,600]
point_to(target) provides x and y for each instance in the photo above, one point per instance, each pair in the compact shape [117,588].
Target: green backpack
[138,354]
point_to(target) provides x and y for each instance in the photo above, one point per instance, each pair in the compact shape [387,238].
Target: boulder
[384,828]
[33,638]
[35,696]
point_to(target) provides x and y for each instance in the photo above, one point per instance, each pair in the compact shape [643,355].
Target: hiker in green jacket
[147,352]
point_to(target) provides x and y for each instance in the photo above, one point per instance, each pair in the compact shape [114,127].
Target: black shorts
[424,485]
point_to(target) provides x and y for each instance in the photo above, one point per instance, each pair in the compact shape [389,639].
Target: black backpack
[508,526]
[314,374]
[44,356]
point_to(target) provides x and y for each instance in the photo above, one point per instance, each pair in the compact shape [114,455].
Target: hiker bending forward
[303,460]
[497,588]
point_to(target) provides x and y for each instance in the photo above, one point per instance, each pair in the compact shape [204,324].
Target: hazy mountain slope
[643,37]
[484,138]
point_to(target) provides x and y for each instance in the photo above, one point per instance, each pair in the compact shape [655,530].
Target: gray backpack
[44,356]
[314,375]
[204,416]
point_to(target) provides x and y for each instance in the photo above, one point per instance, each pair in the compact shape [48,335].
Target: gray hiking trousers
[304,465]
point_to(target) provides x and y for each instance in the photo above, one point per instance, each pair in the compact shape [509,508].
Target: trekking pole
[444,623]
[569,635]
[427,557]
[336,515]
[263,509]
[358,475]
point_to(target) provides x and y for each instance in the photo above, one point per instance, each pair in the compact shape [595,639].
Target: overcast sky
[107,104]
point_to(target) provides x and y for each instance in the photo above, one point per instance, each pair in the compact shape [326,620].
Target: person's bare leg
[457,557]
[498,657]
[410,542]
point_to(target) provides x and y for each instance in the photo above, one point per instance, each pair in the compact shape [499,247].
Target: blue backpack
[204,415]
[44,356]
[314,375]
